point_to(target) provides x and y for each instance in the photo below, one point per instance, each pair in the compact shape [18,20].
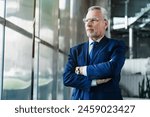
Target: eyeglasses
[95,19]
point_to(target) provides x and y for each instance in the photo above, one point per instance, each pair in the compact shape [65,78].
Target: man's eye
[90,20]
[93,20]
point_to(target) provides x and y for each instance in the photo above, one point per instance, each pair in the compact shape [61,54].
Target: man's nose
[89,23]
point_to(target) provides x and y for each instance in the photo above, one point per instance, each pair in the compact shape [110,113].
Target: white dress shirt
[85,67]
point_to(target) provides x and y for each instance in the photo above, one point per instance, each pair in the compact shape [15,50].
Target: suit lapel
[86,53]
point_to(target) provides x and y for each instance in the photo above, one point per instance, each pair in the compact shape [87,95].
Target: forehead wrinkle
[94,13]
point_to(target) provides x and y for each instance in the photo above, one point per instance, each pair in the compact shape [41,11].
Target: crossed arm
[97,72]
[81,69]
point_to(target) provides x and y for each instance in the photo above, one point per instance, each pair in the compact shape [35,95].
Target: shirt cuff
[85,74]
[93,83]
[84,70]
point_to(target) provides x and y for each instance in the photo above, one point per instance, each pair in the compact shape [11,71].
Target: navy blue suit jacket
[106,63]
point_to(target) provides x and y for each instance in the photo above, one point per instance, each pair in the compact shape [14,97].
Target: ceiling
[137,12]
[133,14]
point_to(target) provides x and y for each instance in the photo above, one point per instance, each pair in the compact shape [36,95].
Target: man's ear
[106,24]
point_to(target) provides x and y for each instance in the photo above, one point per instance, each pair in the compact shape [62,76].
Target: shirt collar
[98,40]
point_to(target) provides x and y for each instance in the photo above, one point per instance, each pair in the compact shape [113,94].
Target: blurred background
[35,37]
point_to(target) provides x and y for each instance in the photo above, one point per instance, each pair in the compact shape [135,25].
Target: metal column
[130,42]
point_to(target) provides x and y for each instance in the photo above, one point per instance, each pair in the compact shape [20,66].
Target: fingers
[77,70]
[101,81]
[106,80]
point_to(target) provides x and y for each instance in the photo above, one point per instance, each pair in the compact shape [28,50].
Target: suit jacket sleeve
[110,68]
[70,78]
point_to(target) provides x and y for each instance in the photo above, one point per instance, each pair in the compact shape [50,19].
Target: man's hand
[79,70]
[101,81]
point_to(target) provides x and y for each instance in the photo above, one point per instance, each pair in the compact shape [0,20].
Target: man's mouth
[89,29]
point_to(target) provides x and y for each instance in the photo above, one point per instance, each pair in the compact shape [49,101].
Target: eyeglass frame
[94,19]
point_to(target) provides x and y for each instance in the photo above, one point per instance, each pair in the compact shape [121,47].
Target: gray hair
[103,10]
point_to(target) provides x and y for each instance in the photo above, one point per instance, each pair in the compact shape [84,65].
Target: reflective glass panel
[48,20]
[45,73]
[37,15]
[60,76]
[17,66]
[1,42]
[1,8]
[20,12]
[64,31]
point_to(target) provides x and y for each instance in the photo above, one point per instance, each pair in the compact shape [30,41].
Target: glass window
[17,66]
[64,31]
[1,8]
[64,44]
[1,42]
[49,20]
[60,76]
[45,73]
[20,12]
[37,15]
